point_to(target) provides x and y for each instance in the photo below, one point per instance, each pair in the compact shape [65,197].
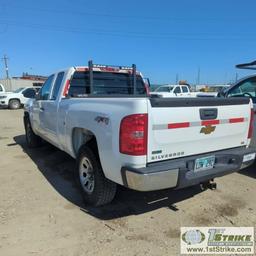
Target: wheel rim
[15,104]
[86,175]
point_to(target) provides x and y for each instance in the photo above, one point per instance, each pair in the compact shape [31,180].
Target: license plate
[248,157]
[204,163]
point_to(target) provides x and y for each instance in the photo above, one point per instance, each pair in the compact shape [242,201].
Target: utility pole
[236,77]
[177,78]
[5,59]
[198,75]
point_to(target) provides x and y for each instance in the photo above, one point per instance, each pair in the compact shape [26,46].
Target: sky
[167,40]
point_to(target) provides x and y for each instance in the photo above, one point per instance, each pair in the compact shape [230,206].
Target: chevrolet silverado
[104,117]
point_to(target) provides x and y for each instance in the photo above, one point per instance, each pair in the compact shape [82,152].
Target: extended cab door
[38,112]
[185,90]
[50,109]
[177,91]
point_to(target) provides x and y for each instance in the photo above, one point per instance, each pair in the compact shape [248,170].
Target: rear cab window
[105,84]
[57,84]
[184,88]
[177,90]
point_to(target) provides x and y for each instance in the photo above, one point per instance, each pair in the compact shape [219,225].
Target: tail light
[250,132]
[134,135]
[66,88]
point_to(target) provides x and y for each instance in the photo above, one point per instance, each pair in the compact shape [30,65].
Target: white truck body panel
[185,141]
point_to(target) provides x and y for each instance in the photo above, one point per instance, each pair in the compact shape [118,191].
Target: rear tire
[33,141]
[14,104]
[95,188]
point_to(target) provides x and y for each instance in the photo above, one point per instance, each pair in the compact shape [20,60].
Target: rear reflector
[236,120]
[210,122]
[66,88]
[178,125]
[133,135]
[250,132]
[147,89]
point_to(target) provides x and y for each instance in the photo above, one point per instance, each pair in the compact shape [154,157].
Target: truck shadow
[57,167]
[250,171]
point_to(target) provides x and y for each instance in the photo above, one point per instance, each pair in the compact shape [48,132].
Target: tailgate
[190,126]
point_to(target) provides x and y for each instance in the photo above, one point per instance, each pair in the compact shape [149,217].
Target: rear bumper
[179,173]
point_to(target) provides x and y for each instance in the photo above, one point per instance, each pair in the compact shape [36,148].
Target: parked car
[245,87]
[102,117]
[173,91]
[18,98]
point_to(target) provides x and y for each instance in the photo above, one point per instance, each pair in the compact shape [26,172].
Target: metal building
[25,80]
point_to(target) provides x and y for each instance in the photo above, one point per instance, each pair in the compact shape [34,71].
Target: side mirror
[37,97]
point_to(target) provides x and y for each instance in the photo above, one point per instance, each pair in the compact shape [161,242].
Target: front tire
[32,139]
[14,104]
[95,188]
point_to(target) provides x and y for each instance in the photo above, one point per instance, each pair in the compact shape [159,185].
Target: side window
[177,90]
[46,89]
[246,88]
[236,91]
[29,93]
[184,88]
[57,85]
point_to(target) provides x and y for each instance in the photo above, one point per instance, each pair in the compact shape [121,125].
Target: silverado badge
[208,129]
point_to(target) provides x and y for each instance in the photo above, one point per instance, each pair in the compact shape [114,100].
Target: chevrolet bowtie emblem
[208,129]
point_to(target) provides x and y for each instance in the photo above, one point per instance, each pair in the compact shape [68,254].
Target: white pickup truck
[168,91]
[104,118]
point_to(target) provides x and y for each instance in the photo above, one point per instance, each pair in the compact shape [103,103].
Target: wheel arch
[82,137]
[14,99]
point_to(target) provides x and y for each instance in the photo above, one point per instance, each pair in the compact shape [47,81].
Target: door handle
[208,113]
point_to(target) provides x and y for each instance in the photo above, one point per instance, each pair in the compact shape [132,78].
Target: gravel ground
[42,213]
